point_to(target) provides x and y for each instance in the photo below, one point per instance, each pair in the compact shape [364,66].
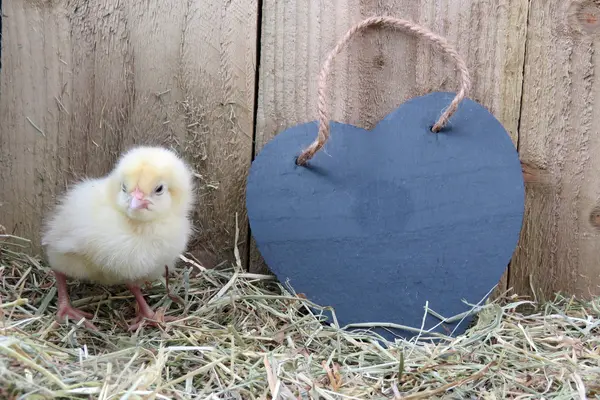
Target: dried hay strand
[245,336]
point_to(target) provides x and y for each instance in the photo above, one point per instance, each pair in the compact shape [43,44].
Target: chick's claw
[67,310]
[152,318]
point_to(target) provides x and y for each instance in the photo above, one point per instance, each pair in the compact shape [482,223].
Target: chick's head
[149,183]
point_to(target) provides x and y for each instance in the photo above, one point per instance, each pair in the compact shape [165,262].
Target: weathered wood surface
[383,68]
[560,244]
[83,80]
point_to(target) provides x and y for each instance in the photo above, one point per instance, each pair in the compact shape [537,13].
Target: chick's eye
[158,189]
[123,188]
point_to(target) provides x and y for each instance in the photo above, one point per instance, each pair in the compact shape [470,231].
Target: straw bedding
[245,336]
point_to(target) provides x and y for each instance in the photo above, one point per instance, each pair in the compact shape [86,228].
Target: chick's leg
[65,309]
[144,310]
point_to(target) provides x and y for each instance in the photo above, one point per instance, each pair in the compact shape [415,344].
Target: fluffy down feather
[123,228]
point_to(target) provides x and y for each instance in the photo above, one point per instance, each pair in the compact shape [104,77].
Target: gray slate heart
[381,221]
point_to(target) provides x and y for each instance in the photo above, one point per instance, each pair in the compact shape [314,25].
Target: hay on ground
[245,336]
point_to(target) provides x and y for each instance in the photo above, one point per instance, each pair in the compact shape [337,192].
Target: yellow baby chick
[123,228]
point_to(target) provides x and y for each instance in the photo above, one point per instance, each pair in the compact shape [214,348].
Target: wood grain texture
[559,131]
[383,68]
[96,77]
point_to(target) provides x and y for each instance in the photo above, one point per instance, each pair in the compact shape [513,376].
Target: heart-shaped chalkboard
[381,222]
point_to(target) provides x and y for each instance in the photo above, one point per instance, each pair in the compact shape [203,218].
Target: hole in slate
[444,129]
[297,164]
[440,131]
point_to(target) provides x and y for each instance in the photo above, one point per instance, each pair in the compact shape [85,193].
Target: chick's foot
[154,318]
[65,309]
[145,314]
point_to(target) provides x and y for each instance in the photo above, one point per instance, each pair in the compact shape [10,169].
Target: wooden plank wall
[383,68]
[83,80]
[560,127]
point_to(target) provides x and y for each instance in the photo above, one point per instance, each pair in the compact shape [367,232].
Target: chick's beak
[137,200]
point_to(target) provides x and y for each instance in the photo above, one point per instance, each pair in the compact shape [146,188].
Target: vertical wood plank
[96,77]
[559,131]
[382,69]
